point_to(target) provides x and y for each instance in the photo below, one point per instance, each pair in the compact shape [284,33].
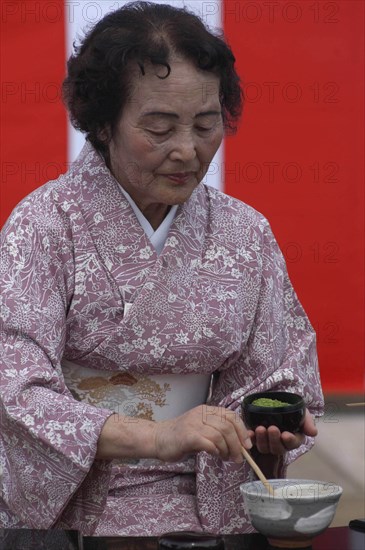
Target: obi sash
[156,397]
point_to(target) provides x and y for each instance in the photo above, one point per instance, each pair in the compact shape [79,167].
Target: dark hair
[97,84]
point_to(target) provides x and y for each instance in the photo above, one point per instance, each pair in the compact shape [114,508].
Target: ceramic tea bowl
[287,417]
[300,509]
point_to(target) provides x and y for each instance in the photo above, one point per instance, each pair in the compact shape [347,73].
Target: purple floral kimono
[217,300]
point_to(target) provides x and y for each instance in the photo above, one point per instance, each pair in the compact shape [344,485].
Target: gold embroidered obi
[157,397]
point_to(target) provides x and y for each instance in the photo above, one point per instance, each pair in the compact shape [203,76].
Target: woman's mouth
[179,177]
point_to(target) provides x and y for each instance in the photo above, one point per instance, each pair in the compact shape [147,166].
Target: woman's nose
[183,148]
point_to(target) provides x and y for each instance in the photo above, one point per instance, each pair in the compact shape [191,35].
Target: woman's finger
[292,441]
[231,427]
[240,436]
[261,440]
[275,442]
[268,441]
[309,427]
[230,432]
[218,440]
[208,440]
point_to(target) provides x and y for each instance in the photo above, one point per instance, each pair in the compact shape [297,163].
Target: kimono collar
[157,237]
[112,220]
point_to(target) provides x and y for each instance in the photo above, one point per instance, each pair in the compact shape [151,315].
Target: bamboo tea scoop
[257,471]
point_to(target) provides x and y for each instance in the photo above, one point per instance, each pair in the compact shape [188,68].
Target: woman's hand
[216,430]
[271,441]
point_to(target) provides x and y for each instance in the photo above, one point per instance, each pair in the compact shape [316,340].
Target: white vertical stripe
[81,15]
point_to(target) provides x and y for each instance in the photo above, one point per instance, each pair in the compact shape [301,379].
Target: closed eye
[161,133]
[204,129]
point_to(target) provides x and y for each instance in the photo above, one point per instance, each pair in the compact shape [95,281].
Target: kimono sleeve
[280,353]
[48,440]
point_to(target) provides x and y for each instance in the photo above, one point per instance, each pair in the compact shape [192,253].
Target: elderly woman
[132,293]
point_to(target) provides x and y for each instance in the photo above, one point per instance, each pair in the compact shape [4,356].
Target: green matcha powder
[267,402]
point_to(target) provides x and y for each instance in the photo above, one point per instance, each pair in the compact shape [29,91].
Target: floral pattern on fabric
[217,299]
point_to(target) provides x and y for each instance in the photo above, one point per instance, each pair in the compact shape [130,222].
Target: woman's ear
[104,134]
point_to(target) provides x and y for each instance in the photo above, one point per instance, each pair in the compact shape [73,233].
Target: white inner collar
[157,237]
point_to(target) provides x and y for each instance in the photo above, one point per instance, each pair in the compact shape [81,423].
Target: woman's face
[167,136]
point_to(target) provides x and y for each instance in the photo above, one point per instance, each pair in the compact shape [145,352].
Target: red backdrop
[298,158]
[33,140]
[298,155]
